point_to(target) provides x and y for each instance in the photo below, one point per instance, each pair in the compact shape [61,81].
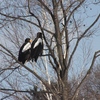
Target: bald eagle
[37,47]
[25,51]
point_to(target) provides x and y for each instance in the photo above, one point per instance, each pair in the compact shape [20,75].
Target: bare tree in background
[90,90]
[62,23]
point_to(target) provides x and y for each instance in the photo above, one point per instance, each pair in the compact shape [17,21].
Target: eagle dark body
[26,54]
[37,47]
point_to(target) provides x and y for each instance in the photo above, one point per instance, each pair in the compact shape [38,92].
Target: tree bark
[64,87]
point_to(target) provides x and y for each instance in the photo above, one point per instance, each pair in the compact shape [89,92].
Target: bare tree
[64,31]
[90,89]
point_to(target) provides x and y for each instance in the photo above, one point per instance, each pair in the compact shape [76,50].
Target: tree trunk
[64,91]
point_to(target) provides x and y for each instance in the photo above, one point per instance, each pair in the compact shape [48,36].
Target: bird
[37,47]
[25,51]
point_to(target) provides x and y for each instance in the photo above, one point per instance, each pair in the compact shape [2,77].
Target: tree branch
[8,96]
[72,13]
[20,18]
[90,26]
[34,73]
[45,6]
[27,91]
[66,34]
[69,62]
[9,73]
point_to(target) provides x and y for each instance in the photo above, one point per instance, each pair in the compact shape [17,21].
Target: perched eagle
[37,47]
[25,51]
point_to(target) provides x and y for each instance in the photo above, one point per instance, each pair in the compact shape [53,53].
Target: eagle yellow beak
[31,40]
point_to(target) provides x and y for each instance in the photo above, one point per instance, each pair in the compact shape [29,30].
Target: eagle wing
[37,42]
[26,47]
